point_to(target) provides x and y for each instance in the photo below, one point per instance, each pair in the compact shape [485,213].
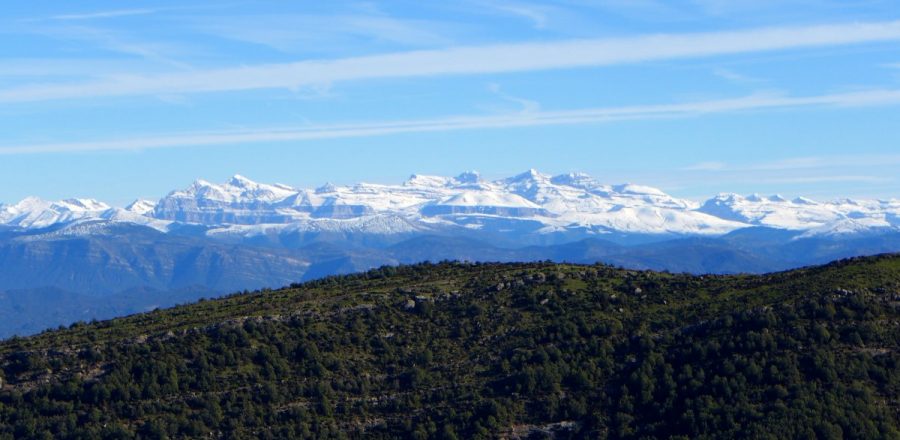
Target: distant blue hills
[81,259]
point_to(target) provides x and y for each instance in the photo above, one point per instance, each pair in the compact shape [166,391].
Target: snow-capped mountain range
[79,259]
[531,205]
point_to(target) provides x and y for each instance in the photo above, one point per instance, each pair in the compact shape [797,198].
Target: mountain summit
[529,207]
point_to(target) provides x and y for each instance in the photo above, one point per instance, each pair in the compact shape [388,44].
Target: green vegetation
[454,351]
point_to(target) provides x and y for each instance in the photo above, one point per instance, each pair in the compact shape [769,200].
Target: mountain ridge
[211,239]
[466,350]
[573,204]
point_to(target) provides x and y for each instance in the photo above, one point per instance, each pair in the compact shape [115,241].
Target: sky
[125,100]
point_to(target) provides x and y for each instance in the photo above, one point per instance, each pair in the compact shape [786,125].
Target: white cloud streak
[706,166]
[519,119]
[803,163]
[104,14]
[292,32]
[467,61]
[73,67]
[537,17]
[799,163]
[734,77]
[830,179]
[527,105]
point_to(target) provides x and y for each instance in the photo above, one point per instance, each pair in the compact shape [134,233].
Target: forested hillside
[453,351]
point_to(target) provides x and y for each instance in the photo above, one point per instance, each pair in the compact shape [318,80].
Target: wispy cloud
[829,179]
[468,60]
[518,119]
[538,18]
[309,32]
[804,163]
[536,15]
[837,161]
[718,8]
[734,77]
[149,51]
[72,67]
[706,166]
[650,10]
[103,14]
[111,40]
[526,105]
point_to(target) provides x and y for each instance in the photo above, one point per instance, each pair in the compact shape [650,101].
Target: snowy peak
[726,198]
[798,214]
[468,177]
[531,176]
[83,205]
[141,206]
[240,181]
[33,212]
[755,198]
[28,204]
[531,185]
[237,189]
[630,188]
[462,179]
[427,181]
[326,188]
[576,180]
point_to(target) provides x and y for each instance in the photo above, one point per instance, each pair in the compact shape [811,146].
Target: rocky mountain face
[530,206]
[211,239]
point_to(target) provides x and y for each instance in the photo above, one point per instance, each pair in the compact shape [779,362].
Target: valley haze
[82,258]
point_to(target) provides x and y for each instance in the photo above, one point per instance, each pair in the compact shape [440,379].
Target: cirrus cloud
[490,59]
[455,123]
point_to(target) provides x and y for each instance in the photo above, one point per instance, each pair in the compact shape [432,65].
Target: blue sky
[119,100]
